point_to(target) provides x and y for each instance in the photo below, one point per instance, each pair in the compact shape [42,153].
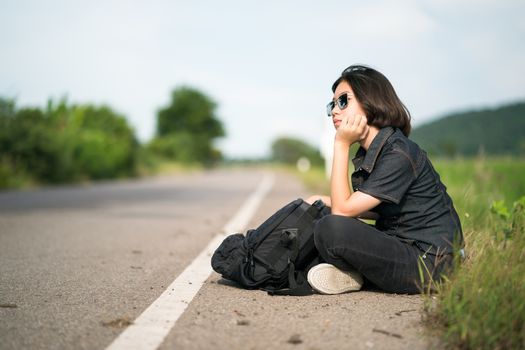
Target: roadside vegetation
[495,131]
[66,142]
[63,143]
[482,305]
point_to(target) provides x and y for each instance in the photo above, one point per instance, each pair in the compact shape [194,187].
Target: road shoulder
[224,316]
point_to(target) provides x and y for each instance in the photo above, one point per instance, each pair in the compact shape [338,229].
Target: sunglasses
[342,103]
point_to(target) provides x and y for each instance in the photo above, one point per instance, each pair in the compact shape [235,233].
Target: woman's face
[353,106]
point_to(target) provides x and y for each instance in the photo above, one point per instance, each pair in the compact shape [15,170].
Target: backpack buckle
[288,235]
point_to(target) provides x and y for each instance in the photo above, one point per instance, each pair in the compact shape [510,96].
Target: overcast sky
[268,64]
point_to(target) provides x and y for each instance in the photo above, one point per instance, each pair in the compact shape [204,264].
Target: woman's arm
[343,201]
[370,215]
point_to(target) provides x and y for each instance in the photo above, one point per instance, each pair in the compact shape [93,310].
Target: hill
[498,131]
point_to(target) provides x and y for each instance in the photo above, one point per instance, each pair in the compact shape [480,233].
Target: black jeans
[388,262]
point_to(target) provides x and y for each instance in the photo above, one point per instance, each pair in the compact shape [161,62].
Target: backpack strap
[313,212]
[298,286]
[301,288]
[288,238]
[297,281]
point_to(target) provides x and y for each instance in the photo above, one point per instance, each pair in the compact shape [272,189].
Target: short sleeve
[390,178]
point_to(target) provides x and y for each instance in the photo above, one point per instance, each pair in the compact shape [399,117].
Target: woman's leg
[351,244]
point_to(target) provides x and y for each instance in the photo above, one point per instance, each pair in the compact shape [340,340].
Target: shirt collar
[366,160]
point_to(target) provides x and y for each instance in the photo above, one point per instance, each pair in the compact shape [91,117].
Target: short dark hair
[377,97]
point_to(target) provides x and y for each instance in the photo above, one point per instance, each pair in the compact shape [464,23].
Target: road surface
[78,264]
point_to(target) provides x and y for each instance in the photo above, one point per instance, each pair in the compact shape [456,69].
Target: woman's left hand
[352,129]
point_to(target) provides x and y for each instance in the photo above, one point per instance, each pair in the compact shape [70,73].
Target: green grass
[475,183]
[481,305]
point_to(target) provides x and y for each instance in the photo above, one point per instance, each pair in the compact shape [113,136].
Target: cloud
[390,20]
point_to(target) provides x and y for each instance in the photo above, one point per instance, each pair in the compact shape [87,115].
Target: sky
[269,65]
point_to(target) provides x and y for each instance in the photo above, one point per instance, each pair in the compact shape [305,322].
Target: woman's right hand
[352,129]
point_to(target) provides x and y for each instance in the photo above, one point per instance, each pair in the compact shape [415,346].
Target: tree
[288,150]
[30,145]
[500,131]
[187,127]
[63,143]
[104,144]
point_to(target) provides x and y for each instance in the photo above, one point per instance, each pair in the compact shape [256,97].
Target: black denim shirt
[415,205]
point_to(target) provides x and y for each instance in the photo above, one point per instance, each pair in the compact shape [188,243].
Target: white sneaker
[328,279]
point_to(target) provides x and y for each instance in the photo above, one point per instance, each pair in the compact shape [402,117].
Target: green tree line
[66,142]
[289,150]
[497,131]
[63,143]
[187,128]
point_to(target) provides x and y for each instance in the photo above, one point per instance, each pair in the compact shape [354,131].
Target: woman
[393,183]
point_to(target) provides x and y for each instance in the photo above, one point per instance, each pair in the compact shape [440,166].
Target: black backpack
[277,255]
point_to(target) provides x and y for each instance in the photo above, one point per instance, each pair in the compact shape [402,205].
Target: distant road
[79,263]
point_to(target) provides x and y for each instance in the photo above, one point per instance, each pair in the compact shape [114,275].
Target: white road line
[149,329]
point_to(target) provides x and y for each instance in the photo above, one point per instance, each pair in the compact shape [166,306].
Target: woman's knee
[332,230]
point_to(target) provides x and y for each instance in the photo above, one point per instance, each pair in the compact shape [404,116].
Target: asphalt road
[78,263]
